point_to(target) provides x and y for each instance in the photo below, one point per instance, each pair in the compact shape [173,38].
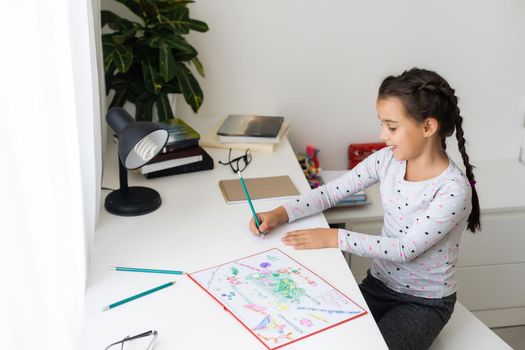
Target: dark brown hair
[425,94]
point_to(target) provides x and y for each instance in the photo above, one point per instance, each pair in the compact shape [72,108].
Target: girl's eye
[392,129]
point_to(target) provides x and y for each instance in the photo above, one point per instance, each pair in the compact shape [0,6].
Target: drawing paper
[277,299]
[273,238]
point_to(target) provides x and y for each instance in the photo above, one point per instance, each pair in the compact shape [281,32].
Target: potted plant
[145,61]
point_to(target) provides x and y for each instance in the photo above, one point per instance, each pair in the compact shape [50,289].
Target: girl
[427,201]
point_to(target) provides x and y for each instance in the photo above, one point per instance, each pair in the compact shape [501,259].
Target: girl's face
[399,130]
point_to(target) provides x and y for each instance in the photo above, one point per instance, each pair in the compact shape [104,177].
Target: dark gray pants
[405,321]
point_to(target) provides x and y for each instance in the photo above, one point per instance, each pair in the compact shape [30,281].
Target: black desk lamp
[138,143]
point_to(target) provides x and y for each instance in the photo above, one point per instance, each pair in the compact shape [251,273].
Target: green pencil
[111,306]
[255,218]
[140,269]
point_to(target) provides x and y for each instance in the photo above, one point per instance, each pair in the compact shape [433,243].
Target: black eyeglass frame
[128,338]
[247,158]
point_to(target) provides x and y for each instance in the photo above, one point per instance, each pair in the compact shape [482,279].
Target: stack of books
[239,131]
[356,199]
[182,153]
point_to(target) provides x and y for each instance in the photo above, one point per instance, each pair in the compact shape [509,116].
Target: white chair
[464,331]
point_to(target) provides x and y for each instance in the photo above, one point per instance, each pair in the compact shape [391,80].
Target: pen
[140,269]
[111,306]
[250,203]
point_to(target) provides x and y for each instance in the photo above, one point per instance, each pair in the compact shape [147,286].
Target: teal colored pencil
[153,290]
[140,269]
[250,203]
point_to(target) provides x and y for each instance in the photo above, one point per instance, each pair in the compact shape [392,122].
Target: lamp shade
[139,141]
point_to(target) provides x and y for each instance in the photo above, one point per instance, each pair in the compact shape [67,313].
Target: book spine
[170,147]
[171,163]
[205,164]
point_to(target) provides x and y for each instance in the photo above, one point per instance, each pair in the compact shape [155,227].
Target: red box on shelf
[359,151]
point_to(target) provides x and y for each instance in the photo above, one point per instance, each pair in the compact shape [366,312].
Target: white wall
[320,63]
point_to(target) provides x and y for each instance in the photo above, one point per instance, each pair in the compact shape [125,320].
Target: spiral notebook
[259,188]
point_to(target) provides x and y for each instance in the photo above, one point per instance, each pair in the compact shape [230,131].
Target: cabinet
[491,267]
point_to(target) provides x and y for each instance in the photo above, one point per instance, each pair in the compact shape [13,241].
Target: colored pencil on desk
[250,203]
[140,269]
[127,300]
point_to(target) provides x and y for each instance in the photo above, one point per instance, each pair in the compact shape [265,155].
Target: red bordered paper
[275,298]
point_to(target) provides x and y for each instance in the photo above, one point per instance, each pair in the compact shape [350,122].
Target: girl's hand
[312,238]
[269,220]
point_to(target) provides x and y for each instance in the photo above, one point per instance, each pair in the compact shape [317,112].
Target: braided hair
[425,93]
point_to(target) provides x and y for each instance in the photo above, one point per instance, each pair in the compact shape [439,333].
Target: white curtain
[49,177]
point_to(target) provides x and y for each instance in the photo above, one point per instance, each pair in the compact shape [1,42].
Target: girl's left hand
[312,238]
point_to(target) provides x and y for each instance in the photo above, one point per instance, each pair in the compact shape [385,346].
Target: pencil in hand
[254,214]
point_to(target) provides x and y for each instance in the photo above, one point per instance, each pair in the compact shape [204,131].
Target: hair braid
[473,219]
[440,87]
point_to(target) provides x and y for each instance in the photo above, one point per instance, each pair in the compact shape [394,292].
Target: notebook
[259,188]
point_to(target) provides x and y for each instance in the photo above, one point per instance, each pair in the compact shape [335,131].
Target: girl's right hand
[269,220]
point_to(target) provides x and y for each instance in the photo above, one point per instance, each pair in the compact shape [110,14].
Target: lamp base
[133,201]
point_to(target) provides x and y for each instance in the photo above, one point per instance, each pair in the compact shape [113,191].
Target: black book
[180,145]
[205,164]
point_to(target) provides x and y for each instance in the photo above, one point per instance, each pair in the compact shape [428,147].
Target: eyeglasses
[239,163]
[151,345]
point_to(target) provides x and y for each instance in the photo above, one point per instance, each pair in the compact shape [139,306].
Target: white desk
[195,229]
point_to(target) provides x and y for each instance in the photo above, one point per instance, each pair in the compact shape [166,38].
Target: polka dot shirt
[417,250]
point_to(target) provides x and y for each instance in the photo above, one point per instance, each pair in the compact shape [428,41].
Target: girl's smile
[400,131]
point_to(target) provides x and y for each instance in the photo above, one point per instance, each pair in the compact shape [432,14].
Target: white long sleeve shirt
[417,250]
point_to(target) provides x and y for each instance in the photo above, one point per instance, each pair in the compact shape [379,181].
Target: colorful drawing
[275,297]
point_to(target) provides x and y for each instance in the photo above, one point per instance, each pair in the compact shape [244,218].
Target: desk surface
[195,229]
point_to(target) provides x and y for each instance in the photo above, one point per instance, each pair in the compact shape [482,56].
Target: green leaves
[198,65]
[119,55]
[178,21]
[151,77]
[167,64]
[164,108]
[181,50]
[144,62]
[134,6]
[190,87]
[198,26]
